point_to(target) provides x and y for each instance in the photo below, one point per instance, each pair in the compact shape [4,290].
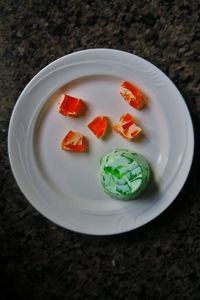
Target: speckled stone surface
[39,260]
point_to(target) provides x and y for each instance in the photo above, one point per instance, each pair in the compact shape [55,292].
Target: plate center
[76,175]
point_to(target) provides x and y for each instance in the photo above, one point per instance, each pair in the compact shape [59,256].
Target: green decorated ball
[124,174]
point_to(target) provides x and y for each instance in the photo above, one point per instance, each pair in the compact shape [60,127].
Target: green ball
[124,174]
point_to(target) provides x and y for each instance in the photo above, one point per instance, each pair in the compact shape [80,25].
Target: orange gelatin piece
[127,127]
[132,95]
[98,126]
[70,106]
[74,141]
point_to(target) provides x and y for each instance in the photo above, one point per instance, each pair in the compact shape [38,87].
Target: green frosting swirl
[124,174]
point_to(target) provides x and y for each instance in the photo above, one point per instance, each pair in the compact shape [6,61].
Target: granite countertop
[40,260]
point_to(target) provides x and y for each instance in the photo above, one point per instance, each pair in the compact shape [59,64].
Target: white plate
[64,186]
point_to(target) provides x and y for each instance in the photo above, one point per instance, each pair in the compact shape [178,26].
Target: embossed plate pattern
[65,187]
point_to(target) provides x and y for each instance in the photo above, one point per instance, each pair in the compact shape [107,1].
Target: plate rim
[189,146]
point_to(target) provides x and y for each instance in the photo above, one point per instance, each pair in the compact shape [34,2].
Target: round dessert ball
[124,174]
